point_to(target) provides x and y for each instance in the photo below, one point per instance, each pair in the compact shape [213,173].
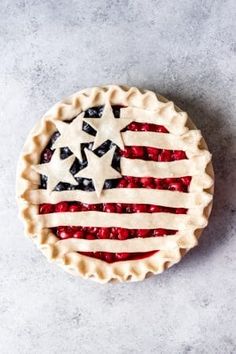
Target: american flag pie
[115,183]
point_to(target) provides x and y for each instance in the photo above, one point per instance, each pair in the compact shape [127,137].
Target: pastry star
[57,170]
[99,169]
[72,135]
[108,127]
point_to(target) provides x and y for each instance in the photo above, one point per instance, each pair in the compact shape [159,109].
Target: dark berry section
[83,183]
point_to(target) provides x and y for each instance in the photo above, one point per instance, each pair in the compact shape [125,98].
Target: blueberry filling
[83,183]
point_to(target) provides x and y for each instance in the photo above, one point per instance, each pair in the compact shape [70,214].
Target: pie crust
[183,135]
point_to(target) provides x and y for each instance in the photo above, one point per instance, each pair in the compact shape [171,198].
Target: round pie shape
[136,180]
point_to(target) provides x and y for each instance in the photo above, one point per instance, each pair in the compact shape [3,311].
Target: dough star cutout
[108,127]
[57,170]
[99,169]
[72,135]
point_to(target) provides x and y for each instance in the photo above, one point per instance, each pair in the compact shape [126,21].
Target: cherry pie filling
[134,152]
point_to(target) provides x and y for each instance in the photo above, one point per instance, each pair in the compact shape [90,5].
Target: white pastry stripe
[129,221]
[131,245]
[125,195]
[174,122]
[186,142]
[180,168]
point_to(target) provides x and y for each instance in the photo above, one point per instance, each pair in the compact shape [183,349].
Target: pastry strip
[165,198]
[131,245]
[187,142]
[180,168]
[166,116]
[129,221]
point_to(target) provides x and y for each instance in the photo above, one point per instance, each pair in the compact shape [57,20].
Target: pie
[115,184]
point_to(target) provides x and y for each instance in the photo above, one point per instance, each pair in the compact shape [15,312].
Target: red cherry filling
[123,234]
[115,257]
[75,207]
[179,184]
[134,152]
[47,154]
[64,232]
[113,233]
[104,232]
[135,126]
[46,208]
[79,234]
[61,207]
[108,208]
[152,154]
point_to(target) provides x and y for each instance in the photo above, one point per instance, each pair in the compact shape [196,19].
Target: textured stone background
[186,51]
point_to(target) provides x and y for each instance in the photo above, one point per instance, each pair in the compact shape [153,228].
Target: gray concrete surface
[186,51]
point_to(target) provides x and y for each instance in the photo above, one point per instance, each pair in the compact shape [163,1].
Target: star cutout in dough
[72,135]
[99,169]
[108,127]
[57,170]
